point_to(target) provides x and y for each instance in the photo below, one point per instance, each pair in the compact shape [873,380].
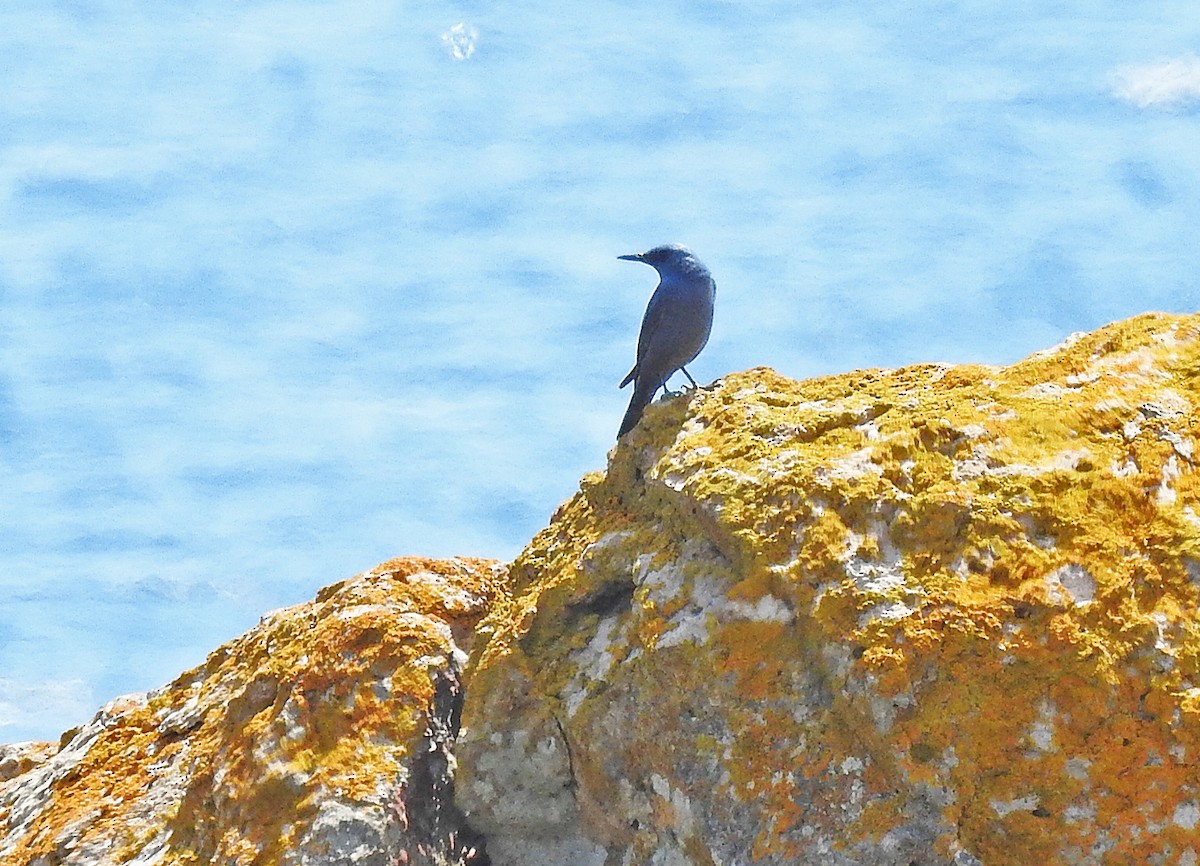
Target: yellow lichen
[1006,558]
[319,699]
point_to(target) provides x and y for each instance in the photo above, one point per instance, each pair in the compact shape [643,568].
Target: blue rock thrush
[675,328]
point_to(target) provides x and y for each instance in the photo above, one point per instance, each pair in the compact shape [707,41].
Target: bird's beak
[636,257]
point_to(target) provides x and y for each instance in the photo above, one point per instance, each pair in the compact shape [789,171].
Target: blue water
[287,289]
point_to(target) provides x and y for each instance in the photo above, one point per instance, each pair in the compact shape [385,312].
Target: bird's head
[668,258]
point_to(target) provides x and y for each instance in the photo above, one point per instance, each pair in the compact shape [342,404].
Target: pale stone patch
[1044,390]
[852,764]
[1070,460]
[743,479]
[1124,469]
[593,662]
[1113,404]
[709,604]
[1167,404]
[1077,768]
[1139,366]
[1080,813]
[976,466]
[1187,815]
[684,819]
[1072,582]
[869,430]
[768,608]
[970,469]
[1161,642]
[853,467]
[888,610]
[1004,808]
[883,575]
[610,539]
[1061,346]
[1077,379]
[1183,447]
[1165,494]
[1042,731]
[452,596]
[875,575]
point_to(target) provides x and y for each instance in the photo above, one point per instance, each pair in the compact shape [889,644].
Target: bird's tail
[637,404]
[629,377]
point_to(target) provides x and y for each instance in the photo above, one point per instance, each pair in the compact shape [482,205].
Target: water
[287,289]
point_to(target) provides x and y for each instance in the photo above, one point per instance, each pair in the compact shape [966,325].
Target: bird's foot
[683,389]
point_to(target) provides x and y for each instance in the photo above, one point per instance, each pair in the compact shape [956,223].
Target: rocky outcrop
[321,736]
[936,616]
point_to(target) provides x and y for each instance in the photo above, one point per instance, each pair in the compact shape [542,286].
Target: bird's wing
[655,312]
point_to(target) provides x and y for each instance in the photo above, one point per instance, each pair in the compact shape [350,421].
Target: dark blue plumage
[676,325]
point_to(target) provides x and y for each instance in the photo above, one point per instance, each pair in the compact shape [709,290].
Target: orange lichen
[978,579]
[325,699]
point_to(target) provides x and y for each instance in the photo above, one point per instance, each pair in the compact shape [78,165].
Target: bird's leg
[678,393]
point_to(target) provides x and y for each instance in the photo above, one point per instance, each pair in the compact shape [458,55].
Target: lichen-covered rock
[939,615]
[936,615]
[321,736]
[19,758]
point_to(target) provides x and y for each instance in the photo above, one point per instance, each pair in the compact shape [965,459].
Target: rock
[937,615]
[944,616]
[19,758]
[320,736]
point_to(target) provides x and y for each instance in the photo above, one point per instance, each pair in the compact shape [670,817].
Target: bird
[675,327]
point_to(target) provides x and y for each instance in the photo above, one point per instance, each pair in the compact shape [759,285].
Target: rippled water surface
[290,288]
